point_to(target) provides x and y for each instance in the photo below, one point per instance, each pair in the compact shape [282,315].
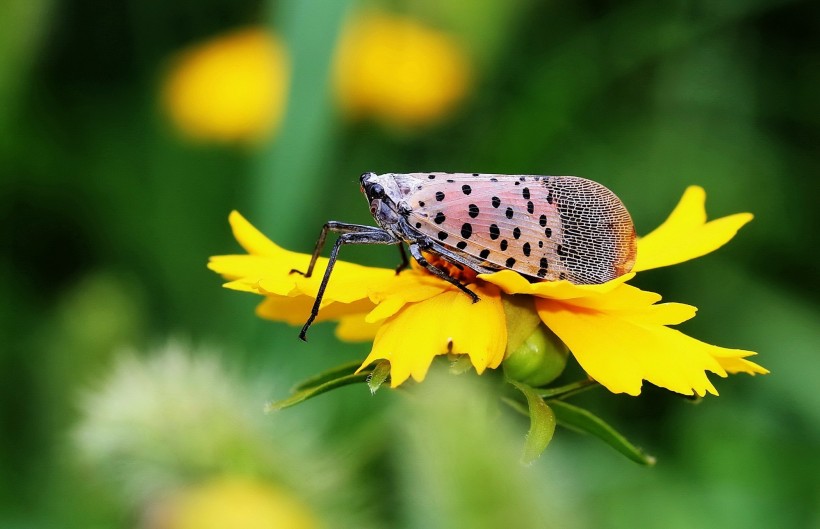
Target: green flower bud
[539,360]
[535,355]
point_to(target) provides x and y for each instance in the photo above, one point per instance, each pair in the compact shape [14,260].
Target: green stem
[568,390]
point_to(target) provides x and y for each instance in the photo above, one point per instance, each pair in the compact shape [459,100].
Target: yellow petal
[267,270]
[621,348]
[733,362]
[260,274]
[295,310]
[349,281]
[685,234]
[632,302]
[415,286]
[243,285]
[251,239]
[246,266]
[354,328]
[447,323]
[514,283]
[385,309]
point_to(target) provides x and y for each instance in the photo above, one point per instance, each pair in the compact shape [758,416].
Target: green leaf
[542,423]
[331,374]
[582,420]
[378,376]
[314,391]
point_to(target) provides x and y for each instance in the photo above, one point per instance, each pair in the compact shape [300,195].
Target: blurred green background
[111,206]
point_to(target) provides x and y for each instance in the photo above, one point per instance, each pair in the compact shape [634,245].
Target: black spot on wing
[495,232]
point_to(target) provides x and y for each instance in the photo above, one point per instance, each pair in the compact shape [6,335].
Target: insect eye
[378,190]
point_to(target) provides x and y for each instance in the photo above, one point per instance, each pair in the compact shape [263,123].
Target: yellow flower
[231,88]
[238,503]
[398,70]
[619,334]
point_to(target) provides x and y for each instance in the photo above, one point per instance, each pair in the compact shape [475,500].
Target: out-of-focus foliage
[109,216]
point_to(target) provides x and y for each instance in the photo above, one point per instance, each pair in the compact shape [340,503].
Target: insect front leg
[415,251]
[405,262]
[335,227]
[364,235]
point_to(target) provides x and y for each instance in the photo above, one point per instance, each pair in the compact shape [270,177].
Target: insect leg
[457,258]
[404,261]
[369,236]
[335,227]
[415,251]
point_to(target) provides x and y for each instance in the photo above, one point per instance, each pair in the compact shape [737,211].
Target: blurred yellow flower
[397,70]
[237,503]
[231,88]
[619,334]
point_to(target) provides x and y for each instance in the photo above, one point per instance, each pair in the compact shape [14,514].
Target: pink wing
[548,227]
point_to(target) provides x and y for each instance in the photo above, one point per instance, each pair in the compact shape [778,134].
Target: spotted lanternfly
[543,227]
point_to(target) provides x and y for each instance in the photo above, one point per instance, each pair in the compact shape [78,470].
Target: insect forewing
[548,227]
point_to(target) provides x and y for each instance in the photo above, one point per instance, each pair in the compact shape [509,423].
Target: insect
[543,227]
